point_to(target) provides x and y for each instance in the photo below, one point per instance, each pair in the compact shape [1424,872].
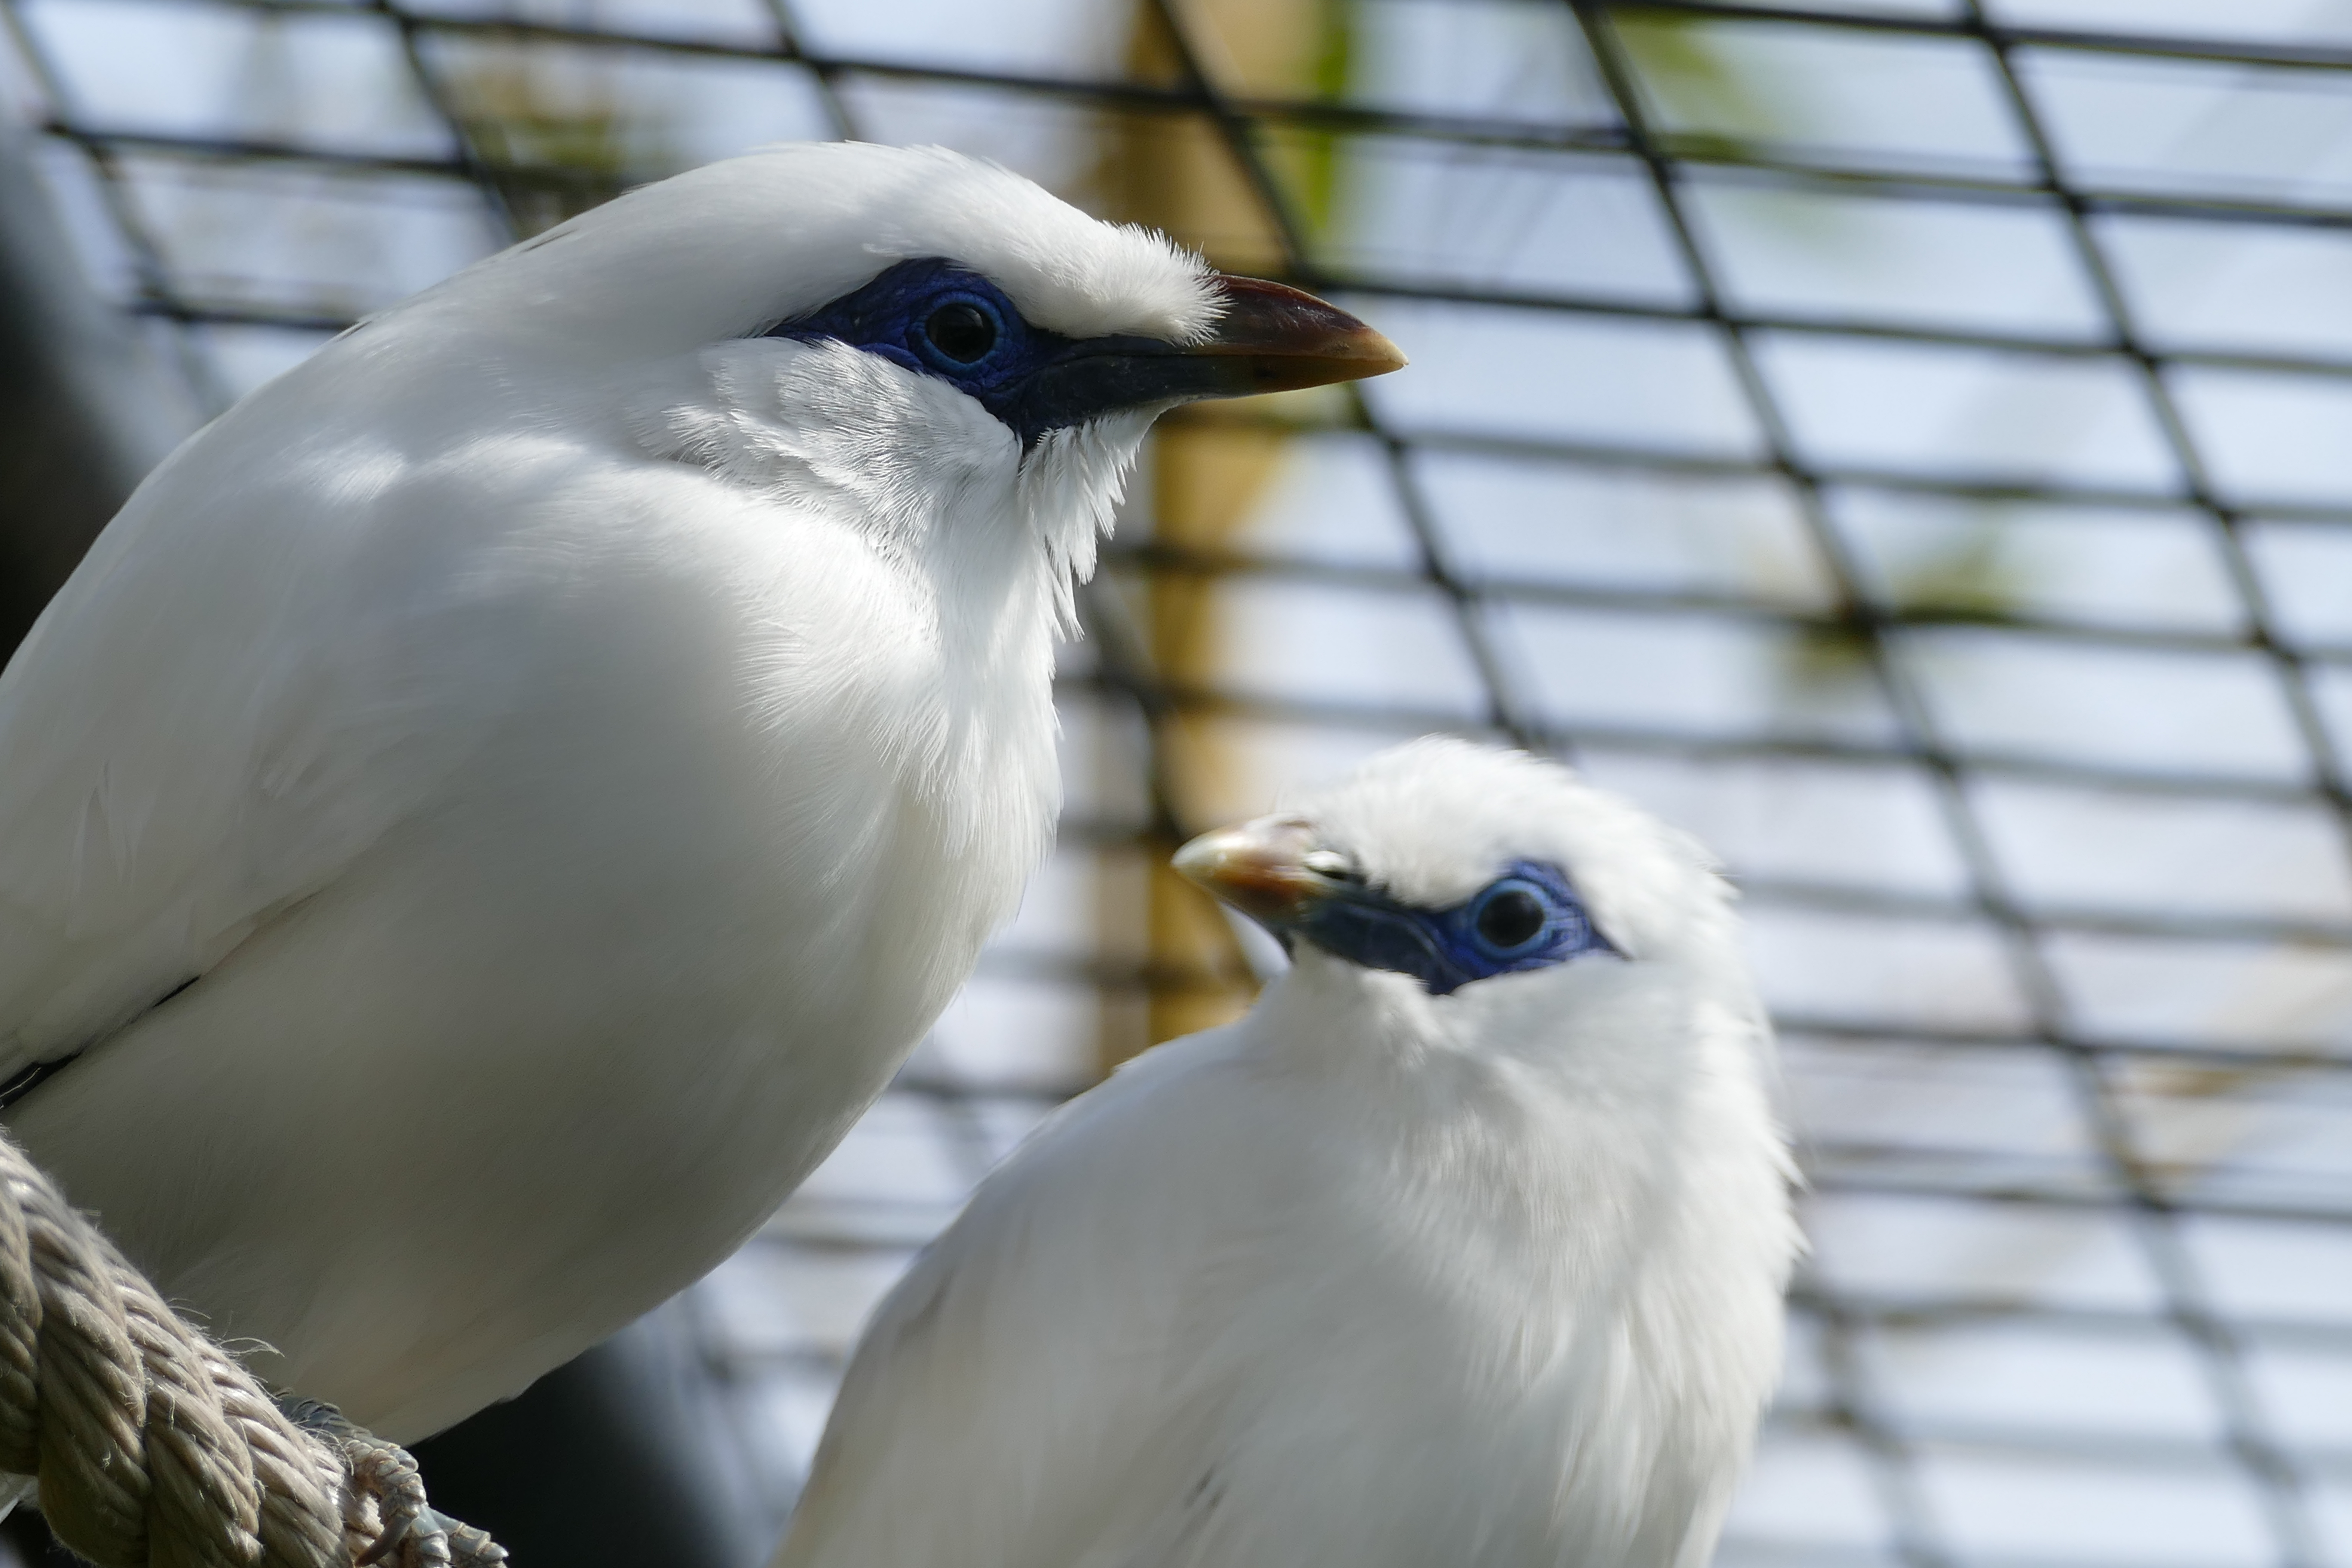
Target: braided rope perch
[154,1446]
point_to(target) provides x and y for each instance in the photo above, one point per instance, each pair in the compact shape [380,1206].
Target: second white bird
[1466,1247]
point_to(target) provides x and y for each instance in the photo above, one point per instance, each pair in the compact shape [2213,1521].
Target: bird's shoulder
[280,649]
[210,709]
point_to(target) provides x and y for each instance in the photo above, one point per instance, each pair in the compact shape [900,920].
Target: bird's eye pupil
[962,331]
[1512,918]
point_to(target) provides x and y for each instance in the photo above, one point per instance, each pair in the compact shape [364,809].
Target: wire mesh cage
[1903,443]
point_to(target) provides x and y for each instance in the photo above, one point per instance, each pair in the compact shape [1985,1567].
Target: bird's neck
[1622,1229]
[988,538]
[1589,1147]
[1001,564]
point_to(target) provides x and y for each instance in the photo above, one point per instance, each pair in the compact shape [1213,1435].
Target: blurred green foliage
[555,139]
[1317,154]
[1975,575]
[1701,89]
[1711,97]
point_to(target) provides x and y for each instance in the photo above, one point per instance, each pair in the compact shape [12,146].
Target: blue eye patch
[1528,917]
[938,319]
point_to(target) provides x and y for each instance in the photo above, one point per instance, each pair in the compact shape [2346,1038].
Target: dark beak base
[1272,338]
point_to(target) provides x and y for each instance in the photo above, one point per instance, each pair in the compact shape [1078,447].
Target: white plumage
[574,739]
[1374,1277]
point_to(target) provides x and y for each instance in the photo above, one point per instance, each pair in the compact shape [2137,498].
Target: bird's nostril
[1331,863]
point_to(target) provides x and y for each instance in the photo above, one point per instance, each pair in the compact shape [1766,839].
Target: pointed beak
[1275,338]
[1261,868]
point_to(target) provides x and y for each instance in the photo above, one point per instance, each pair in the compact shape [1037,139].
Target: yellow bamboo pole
[1176,173]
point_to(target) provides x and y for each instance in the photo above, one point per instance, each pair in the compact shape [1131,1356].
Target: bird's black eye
[1511,916]
[962,331]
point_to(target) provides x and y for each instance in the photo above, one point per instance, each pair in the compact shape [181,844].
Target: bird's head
[1485,894]
[916,333]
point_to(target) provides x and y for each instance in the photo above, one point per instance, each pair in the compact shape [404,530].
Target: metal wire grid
[1854,1314]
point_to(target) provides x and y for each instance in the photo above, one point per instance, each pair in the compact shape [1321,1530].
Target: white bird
[497,805]
[1465,1247]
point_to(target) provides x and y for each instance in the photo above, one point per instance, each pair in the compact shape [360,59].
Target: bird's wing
[269,659]
[1033,1394]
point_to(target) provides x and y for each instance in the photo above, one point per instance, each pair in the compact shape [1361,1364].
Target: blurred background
[1907,443]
